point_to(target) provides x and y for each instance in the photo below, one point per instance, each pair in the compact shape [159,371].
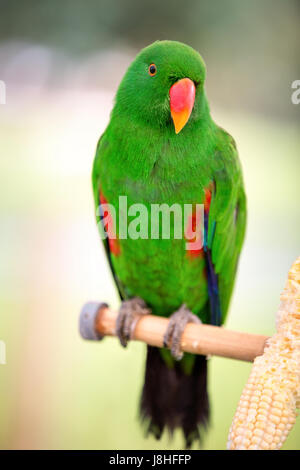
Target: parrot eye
[152,70]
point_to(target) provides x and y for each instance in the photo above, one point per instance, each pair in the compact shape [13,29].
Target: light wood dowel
[197,339]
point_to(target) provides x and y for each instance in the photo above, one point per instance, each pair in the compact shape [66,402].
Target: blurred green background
[61,62]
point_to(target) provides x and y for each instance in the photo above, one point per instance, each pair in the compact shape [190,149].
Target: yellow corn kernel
[267,409]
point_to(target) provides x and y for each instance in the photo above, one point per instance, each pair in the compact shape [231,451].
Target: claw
[129,313]
[175,329]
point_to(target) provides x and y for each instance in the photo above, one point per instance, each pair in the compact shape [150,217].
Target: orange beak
[182,98]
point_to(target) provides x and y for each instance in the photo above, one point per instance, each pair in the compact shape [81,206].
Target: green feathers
[143,98]
[141,157]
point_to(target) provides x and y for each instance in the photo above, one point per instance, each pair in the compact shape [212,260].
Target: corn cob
[267,408]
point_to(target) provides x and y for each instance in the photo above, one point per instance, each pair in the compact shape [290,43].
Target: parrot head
[164,85]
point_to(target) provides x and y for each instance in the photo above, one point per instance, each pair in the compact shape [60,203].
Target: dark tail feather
[173,399]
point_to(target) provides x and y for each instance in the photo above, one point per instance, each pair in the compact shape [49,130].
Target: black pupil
[152,69]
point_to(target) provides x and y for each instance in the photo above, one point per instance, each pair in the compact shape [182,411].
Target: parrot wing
[100,213]
[224,227]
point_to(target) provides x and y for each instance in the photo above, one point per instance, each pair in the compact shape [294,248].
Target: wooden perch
[197,339]
[267,410]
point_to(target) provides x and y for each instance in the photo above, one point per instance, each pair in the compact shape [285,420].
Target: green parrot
[161,146]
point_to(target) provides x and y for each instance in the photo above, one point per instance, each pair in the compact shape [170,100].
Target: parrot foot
[130,312]
[176,326]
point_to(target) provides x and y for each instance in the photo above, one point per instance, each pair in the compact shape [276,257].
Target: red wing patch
[194,231]
[208,195]
[113,242]
[194,235]
[207,200]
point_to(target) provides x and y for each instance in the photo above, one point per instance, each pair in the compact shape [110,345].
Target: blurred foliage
[83,25]
[251,48]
